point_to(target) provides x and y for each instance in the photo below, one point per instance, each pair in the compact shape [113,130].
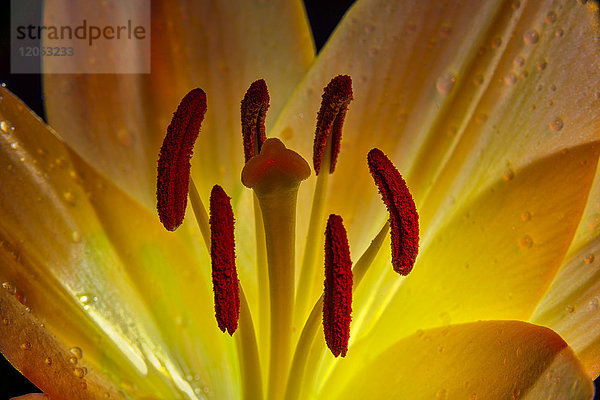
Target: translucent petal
[117,122]
[479,90]
[482,360]
[101,274]
[494,260]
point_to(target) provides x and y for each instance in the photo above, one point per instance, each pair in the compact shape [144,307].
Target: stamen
[222,251]
[330,119]
[174,159]
[404,220]
[337,298]
[254,112]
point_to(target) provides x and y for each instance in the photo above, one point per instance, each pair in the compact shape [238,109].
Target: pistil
[275,175]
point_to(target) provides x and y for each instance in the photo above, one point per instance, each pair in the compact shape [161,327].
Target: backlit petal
[491,360]
[455,104]
[117,122]
[494,260]
[100,272]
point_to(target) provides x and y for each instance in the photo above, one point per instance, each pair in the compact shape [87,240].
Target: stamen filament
[248,353]
[246,337]
[298,371]
[309,279]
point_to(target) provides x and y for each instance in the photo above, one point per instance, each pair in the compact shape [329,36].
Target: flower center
[275,172]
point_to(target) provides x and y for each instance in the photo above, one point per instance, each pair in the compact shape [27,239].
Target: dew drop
[526,216]
[510,78]
[445,31]
[48,361]
[4,126]
[525,242]
[3,84]
[478,79]
[559,33]
[10,287]
[76,236]
[593,304]
[556,124]
[14,145]
[551,17]
[76,351]
[445,83]
[80,372]
[26,346]
[519,61]
[69,198]
[542,65]
[369,28]
[589,258]
[5,321]
[531,37]
[570,309]
[73,360]
[481,118]
[508,174]
[496,42]
[552,87]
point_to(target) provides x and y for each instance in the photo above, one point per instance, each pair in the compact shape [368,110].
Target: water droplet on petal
[445,31]
[478,79]
[510,78]
[369,28]
[76,351]
[69,198]
[525,242]
[593,304]
[48,361]
[559,33]
[5,321]
[589,258]
[556,124]
[508,174]
[445,83]
[496,42]
[10,287]
[14,145]
[531,37]
[4,126]
[519,61]
[73,360]
[570,309]
[26,346]
[79,372]
[551,17]
[526,216]
[76,236]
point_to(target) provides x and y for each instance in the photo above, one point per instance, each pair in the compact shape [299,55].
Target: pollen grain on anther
[404,220]
[222,251]
[330,119]
[337,297]
[254,112]
[174,159]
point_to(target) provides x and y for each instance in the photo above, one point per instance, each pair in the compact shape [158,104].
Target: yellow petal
[433,88]
[571,306]
[101,274]
[494,260]
[117,122]
[490,360]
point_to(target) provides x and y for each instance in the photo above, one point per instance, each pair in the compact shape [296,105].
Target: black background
[323,16]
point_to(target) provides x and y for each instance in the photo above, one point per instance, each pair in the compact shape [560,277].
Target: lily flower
[488,110]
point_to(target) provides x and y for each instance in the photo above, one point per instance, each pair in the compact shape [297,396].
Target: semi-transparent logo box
[80,37]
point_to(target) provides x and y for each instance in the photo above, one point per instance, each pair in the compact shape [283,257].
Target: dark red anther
[337,298]
[222,252]
[254,112]
[404,220]
[330,119]
[174,159]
